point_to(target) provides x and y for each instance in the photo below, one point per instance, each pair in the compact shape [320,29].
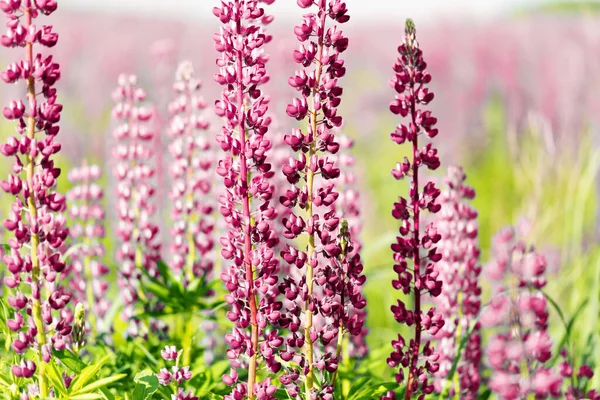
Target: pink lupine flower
[415,244]
[312,204]
[191,188]
[519,351]
[40,319]
[134,171]
[183,395]
[251,276]
[176,375]
[169,353]
[459,302]
[87,230]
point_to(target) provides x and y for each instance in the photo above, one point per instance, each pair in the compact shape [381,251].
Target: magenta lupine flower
[312,206]
[416,358]
[251,276]
[40,319]
[459,302]
[519,351]
[134,172]
[87,230]
[579,381]
[192,241]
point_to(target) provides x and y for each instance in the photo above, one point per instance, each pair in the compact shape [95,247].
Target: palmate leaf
[146,384]
[175,298]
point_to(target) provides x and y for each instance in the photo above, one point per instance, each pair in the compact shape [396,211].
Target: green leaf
[101,383]
[4,380]
[146,385]
[88,373]
[86,396]
[56,378]
[70,361]
[566,339]
[146,352]
[106,394]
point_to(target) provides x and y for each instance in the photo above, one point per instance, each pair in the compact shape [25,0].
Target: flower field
[308,206]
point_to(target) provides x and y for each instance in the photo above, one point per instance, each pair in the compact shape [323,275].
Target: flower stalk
[35,220]
[251,276]
[414,243]
[315,147]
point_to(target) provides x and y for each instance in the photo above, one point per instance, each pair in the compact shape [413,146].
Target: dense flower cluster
[192,241]
[315,299]
[520,311]
[415,244]
[86,232]
[40,319]
[251,275]
[459,302]
[134,171]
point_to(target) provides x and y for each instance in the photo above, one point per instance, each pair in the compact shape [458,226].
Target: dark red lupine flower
[415,254]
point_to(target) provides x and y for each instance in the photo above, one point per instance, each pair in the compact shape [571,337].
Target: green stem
[338,353]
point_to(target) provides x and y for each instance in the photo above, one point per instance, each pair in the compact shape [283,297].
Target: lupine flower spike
[40,319]
[520,349]
[312,204]
[134,172]
[251,276]
[415,254]
[86,232]
[460,301]
[192,241]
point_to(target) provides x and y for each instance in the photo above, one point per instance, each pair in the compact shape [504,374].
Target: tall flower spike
[460,300]
[312,205]
[251,276]
[191,189]
[520,348]
[134,172]
[40,319]
[87,230]
[415,254]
